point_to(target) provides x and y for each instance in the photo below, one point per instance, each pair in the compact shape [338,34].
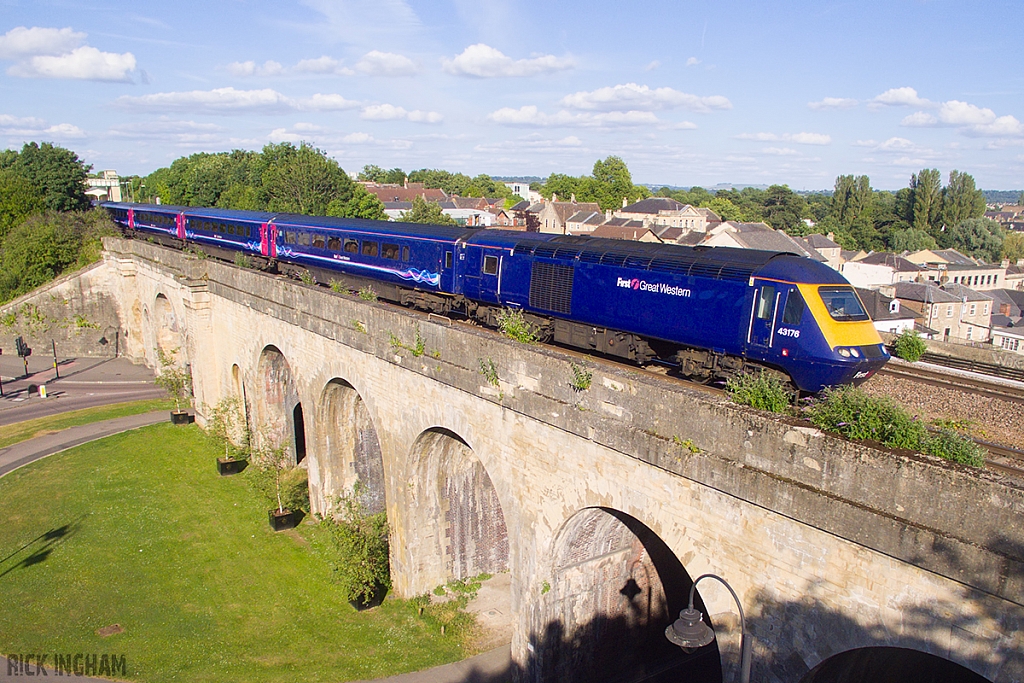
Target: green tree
[1013,246]
[851,200]
[927,203]
[395,176]
[58,174]
[451,183]
[725,209]
[961,199]
[423,211]
[783,209]
[911,239]
[303,180]
[361,204]
[46,245]
[18,200]
[978,237]
[372,173]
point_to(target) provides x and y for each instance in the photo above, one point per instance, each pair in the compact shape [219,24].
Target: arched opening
[274,402]
[471,525]
[300,433]
[615,587]
[236,381]
[167,330]
[349,457]
[889,665]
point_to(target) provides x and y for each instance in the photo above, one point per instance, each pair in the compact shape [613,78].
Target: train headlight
[843,351]
[855,351]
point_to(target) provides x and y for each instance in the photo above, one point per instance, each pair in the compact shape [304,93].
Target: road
[83,383]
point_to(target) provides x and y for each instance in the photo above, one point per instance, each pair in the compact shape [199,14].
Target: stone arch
[470,523]
[349,451]
[615,586]
[167,330]
[276,396]
[889,665]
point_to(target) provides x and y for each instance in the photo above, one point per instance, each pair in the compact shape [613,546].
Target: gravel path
[991,419]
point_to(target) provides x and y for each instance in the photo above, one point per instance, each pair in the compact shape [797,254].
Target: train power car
[714,311]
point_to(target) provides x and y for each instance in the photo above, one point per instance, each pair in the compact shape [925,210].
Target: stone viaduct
[603,503]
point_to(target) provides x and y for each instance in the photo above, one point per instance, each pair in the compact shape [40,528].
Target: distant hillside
[1001,196]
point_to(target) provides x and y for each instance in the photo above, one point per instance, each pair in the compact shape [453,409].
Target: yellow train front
[807,319]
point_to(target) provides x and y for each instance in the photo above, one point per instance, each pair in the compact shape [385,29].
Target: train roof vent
[567,253]
[705,269]
[544,251]
[671,265]
[611,258]
[735,273]
[524,247]
[591,256]
[636,261]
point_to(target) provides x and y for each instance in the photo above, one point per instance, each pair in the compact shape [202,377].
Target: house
[522,189]
[959,313]
[940,257]
[396,210]
[553,214]
[1014,278]
[469,215]
[832,251]
[882,268]
[1009,338]
[663,211]
[758,236]
[404,193]
[584,222]
[625,229]
[977,277]
[104,188]
[886,312]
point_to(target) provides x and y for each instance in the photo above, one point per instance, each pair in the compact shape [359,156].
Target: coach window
[794,310]
[318,241]
[304,239]
[405,253]
[369,248]
[334,243]
[389,251]
[490,265]
[351,247]
[766,303]
[289,238]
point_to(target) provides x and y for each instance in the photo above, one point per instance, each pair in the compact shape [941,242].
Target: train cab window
[405,253]
[389,251]
[318,241]
[766,303]
[369,248]
[351,247]
[490,265]
[842,303]
[447,259]
[794,310]
[334,243]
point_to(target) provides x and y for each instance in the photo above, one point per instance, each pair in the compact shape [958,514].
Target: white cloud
[901,97]
[30,42]
[956,113]
[484,61]
[13,126]
[780,151]
[919,119]
[530,115]
[84,63]
[833,103]
[322,65]
[376,63]
[896,145]
[250,68]
[1004,126]
[692,61]
[632,97]
[389,112]
[534,141]
[798,138]
[232,101]
[652,66]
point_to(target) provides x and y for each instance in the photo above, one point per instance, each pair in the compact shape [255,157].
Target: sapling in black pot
[176,382]
[227,423]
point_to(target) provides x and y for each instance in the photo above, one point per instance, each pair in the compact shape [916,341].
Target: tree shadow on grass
[38,550]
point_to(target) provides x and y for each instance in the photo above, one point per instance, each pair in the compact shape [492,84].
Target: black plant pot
[226,466]
[181,417]
[279,521]
[379,593]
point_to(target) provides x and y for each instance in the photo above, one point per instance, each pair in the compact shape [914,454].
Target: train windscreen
[842,304]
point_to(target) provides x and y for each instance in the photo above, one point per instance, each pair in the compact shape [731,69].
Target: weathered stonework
[830,545]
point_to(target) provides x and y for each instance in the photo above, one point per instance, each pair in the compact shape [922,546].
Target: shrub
[175,380]
[909,346]
[581,378]
[763,391]
[283,488]
[367,294]
[358,549]
[856,415]
[954,446]
[243,260]
[513,324]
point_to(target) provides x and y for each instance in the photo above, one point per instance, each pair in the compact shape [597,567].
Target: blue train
[716,312]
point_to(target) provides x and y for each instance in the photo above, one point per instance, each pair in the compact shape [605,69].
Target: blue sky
[688,93]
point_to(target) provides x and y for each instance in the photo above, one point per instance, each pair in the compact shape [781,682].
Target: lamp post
[690,632]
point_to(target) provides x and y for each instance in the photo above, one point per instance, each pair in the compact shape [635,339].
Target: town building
[886,312]
[105,188]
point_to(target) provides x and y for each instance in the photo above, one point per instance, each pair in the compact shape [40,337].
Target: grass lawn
[21,431]
[138,530]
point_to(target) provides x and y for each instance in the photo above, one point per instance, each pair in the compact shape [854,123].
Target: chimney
[624,203]
[406,182]
[831,236]
[554,197]
[607,214]
[1005,263]
[573,200]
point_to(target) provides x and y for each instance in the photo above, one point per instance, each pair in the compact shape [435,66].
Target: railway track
[1003,460]
[940,378]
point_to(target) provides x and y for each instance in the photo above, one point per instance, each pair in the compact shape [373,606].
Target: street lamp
[690,632]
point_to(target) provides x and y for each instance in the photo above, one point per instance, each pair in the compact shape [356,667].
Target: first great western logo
[651,287]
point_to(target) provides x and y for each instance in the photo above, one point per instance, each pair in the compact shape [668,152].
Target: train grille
[551,287]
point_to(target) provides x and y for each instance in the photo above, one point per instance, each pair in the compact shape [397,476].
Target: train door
[268,240]
[470,262]
[489,275]
[179,225]
[762,317]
